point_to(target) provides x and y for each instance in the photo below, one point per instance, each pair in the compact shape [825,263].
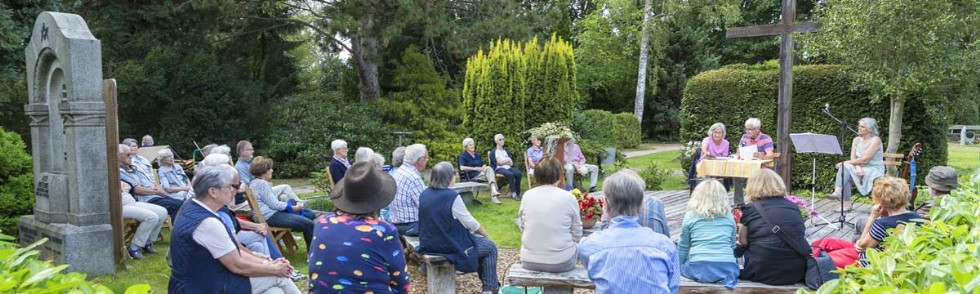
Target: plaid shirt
[409,185]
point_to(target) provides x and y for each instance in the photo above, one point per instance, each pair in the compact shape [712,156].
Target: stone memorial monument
[68,135]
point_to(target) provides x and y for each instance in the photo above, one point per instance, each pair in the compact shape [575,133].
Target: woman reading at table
[715,145]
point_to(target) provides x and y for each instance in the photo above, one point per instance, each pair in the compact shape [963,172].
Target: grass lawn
[965,159]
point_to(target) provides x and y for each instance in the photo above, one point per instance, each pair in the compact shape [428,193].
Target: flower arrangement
[805,209]
[553,130]
[588,206]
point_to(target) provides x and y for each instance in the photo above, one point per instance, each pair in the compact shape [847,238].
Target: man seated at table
[764,149]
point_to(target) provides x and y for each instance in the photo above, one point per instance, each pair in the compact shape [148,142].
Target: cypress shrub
[627,130]
[732,94]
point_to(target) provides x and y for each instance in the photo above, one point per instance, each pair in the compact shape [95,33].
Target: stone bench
[440,273]
[467,190]
[566,282]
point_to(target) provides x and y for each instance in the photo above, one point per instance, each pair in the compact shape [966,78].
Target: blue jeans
[295,222]
[172,206]
[514,177]
[724,273]
[486,251]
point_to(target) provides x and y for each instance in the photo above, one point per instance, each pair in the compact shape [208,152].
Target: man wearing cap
[941,180]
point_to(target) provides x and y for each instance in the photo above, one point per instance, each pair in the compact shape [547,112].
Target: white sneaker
[494,200]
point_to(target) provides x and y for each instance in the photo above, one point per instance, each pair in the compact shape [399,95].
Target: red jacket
[841,251]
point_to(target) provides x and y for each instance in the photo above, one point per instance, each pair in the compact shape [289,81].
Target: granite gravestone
[68,135]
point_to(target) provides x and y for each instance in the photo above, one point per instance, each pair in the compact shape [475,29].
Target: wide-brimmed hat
[364,189]
[942,178]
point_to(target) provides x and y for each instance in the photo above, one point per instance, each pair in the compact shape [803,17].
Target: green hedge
[16,181]
[732,94]
[595,125]
[627,130]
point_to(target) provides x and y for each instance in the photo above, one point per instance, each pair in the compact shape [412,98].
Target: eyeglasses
[236,185]
[750,129]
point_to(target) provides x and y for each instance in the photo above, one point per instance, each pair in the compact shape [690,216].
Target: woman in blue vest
[447,229]
[205,254]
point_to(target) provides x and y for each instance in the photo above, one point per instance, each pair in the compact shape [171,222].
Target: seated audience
[473,168]
[708,237]
[338,163]
[767,258]
[502,163]
[404,209]
[575,163]
[354,251]
[891,198]
[447,229]
[142,164]
[715,145]
[397,158]
[205,254]
[277,213]
[534,155]
[147,141]
[625,257]
[866,163]
[150,216]
[172,177]
[551,223]
[143,188]
[245,153]
[363,154]
[652,215]
[205,151]
[941,180]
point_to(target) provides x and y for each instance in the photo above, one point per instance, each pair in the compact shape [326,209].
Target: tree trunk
[895,123]
[365,56]
[641,79]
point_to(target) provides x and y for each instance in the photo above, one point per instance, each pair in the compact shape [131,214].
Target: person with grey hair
[754,137]
[143,187]
[473,168]
[502,162]
[397,157]
[172,176]
[205,151]
[575,163]
[404,208]
[715,145]
[627,257]
[362,154]
[151,217]
[339,163]
[865,166]
[206,256]
[246,152]
[147,141]
[142,164]
[447,229]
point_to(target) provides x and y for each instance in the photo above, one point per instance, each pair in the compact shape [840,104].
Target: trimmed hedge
[734,93]
[16,181]
[595,125]
[627,130]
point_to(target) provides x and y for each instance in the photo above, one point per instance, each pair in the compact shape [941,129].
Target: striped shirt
[707,239]
[653,215]
[763,142]
[628,258]
[879,230]
[408,187]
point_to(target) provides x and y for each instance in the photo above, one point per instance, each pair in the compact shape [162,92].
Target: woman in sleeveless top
[866,163]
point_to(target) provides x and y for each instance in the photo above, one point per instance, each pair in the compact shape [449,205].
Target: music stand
[817,144]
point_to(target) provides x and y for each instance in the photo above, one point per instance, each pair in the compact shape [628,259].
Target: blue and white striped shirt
[405,207]
[629,258]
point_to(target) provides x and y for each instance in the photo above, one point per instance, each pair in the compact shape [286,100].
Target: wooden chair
[285,235]
[527,172]
[892,162]
[330,178]
[501,179]
[156,177]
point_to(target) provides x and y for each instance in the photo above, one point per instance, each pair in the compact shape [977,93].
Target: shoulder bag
[818,270]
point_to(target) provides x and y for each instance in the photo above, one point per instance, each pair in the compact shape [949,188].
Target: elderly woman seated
[502,162]
[172,176]
[626,257]
[338,163]
[550,220]
[891,198]
[769,259]
[474,169]
[206,255]
[354,251]
[446,228]
[289,214]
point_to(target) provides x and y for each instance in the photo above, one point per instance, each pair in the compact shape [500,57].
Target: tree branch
[312,27]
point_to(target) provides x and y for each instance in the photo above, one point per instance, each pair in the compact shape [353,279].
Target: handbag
[819,270]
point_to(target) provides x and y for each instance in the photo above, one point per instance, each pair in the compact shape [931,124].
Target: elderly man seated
[143,188]
[575,163]
[626,257]
[142,164]
[941,181]
[150,216]
[245,154]
[404,209]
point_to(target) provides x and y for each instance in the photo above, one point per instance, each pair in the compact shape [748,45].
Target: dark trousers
[404,228]
[295,222]
[739,196]
[514,177]
[486,251]
[172,206]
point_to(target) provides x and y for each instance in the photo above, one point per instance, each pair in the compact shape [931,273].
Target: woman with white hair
[715,145]
[502,162]
[708,237]
[142,164]
[362,154]
[339,163]
[754,137]
[866,163]
[172,176]
[474,169]
[397,158]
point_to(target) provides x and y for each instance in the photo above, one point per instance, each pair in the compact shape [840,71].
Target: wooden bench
[566,282]
[468,190]
[440,273]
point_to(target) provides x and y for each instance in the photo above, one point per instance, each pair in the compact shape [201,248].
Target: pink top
[573,154]
[716,150]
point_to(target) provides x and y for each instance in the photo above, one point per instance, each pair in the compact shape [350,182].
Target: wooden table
[729,168]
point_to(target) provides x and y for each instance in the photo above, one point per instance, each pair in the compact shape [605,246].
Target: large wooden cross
[784,29]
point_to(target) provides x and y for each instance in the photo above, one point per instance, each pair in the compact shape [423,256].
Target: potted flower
[589,208]
[805,210]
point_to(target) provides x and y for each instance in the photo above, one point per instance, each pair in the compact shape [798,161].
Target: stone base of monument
[89,244]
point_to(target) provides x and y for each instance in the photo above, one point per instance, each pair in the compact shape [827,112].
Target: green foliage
[628,132]
[515,84]
[424,106]
[16,181]
[731,95]
[322,204]
[596,125]
[939,256]
[655,176]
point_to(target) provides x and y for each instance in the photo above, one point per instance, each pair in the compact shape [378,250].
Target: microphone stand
[842,219]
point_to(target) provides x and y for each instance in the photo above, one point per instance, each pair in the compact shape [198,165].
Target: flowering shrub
[687,154]
[588,207]
[805,209]
[551,129]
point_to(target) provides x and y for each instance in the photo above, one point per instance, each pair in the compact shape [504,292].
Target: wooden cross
[784,29]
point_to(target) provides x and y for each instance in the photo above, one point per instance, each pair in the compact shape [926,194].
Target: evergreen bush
[654,176]
[16,181]
[732,94]
[596,125]
[628,131]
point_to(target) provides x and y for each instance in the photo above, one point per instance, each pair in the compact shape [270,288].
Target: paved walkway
[645,149]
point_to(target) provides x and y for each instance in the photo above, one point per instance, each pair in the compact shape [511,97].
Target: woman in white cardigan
[549,217]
